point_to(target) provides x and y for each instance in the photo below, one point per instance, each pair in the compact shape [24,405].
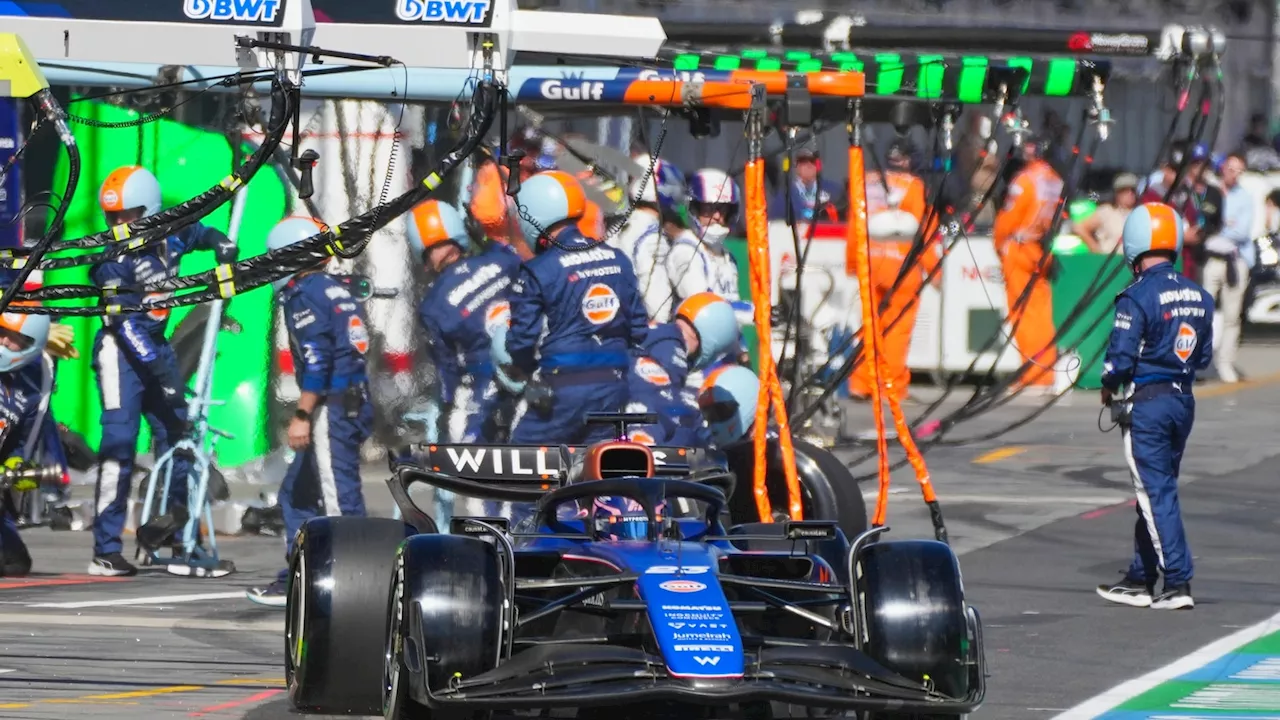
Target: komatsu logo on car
[559,90]
[242,10]
[452,12]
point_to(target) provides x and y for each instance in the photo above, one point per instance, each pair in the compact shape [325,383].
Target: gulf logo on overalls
[600,304]
[1185,342]
[642,437]
[651,371]
[497,316]
[358,334]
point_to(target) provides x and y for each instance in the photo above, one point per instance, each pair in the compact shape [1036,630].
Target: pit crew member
[469,294]
[137,369]
[728,399]
[329,336]
[698,261]
[1163,335]
[42,444]
[646,236]
[584,293]
[22,343]
[705,331]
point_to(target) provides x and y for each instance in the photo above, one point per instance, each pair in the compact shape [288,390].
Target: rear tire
[335,615]
[830,490]
[914,616]
[446,604]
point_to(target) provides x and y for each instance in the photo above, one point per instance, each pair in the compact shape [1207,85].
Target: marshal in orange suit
[1019,233]
[896,207]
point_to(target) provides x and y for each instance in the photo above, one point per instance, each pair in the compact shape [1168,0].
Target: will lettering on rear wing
[514,463]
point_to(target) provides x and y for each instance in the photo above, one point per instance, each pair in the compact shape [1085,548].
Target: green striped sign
[923,76]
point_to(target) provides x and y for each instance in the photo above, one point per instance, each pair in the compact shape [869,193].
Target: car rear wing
[518,473]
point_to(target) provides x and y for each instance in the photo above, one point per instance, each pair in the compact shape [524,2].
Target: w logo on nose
[708,660]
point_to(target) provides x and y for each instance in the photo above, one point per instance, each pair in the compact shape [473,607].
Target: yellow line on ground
[144,693]
[1219,390]
[999,454]
[60,701]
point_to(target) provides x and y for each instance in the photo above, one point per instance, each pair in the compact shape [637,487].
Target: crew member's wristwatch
[301,414]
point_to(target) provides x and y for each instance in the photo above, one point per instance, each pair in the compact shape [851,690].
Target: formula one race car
[622,594]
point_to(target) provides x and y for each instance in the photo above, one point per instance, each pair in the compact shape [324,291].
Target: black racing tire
[445,604]
[335,614]
[915,616]
[830,490]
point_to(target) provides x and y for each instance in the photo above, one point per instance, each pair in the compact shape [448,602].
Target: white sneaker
[1228,375]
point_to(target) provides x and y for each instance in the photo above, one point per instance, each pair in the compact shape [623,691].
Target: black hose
[346,240]
[51,110]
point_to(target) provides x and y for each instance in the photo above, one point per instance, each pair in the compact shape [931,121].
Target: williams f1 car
[622,592]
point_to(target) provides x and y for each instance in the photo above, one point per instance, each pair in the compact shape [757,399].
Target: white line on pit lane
[155,600]
[1101,703]
[266,624]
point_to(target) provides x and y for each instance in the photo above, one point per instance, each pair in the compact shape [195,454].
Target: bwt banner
[11,186]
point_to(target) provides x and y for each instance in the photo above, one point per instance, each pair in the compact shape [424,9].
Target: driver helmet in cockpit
[622,518]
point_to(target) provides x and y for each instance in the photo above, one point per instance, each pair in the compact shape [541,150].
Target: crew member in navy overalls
[137,369]
[1163,334]
[329,337]
[584,293]
[22,343]
[461,310]
[704,332]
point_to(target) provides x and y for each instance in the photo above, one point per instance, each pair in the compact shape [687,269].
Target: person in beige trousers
[1229,256]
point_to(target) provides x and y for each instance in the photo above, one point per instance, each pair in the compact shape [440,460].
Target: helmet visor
[122,217]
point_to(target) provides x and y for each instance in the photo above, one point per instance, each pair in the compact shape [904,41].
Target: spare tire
[829,489]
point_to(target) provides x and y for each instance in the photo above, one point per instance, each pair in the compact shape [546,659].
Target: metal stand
[194,558]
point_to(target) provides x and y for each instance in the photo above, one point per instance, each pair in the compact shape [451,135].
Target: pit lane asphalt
[1039,517]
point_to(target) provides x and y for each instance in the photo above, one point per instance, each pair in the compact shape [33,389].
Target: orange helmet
[433,222]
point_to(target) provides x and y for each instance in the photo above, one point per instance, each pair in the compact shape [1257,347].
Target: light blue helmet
[728,399]
[547,199]
[433,222]
[713,318]
[1152,227]
[30,331]
[497,321]
[290,231]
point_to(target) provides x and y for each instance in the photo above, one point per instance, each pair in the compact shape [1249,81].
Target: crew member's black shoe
[112,565]
[1177,597]
[1127,592]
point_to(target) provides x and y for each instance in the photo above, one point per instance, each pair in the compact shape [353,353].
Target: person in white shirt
[698,261]
[646,236]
